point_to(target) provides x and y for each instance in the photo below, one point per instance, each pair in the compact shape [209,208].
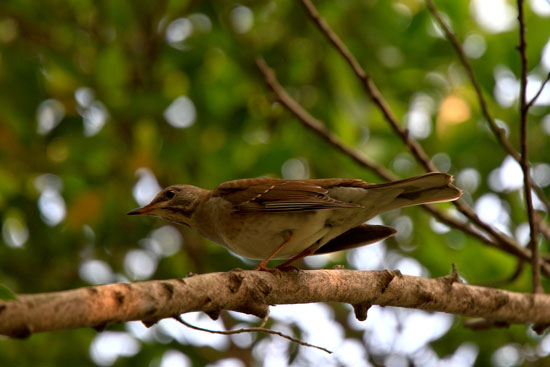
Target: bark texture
[253,292]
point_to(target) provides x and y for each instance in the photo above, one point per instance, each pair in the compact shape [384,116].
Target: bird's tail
[424,189]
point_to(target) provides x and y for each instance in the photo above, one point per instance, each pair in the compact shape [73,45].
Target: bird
[281,219]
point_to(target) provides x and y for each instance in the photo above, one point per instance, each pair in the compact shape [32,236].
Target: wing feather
[269,194]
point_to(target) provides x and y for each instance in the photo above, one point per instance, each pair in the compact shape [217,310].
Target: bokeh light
[15,232]
[96,272]
[181,113]
[49,114]
[140,264]
[108,346]
[163,241]
[540,7]
[418,118]
[242,19]
[146,187]
[175,358]
[474,46]
[178,31]
[295,169]
[50,203]
[494,16]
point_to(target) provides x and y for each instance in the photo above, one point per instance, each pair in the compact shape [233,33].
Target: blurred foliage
[67,65]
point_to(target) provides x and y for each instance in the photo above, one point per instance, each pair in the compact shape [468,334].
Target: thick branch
[253,291]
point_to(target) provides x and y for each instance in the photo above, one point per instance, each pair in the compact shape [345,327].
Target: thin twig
[317,126]
[370,87]
[505,244]
[413,145]
[251,330]
[508,246]
[539,92]
[543,228]
[524,109]
[498,131]
[543,200]
[500,282]
[484,324]
[506,241]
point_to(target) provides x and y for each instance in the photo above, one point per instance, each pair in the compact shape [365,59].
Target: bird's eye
[170,194]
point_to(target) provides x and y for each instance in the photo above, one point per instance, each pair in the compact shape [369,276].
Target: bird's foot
[263,267]
[288,268]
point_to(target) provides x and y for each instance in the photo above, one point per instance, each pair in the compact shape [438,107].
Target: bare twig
[500,282]
[373,92]
[498,131]
[413,145]
[543,228]
[506,241]
[503,243]
[251,330]
[484,324]
[509,246]
[317,126]
[369,86]
[539,92]
[524,109]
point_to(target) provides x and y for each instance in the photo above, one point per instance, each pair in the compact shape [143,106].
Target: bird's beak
[143,210]
[136,211]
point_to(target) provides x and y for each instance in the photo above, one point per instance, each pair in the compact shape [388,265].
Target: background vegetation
[104,102]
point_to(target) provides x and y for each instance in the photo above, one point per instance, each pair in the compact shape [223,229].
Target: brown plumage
[268,218]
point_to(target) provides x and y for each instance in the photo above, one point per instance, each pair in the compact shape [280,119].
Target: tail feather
[424,189]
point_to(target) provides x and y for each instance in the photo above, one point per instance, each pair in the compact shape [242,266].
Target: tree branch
[415,148]
[369,86]
[524,109]
[317,126]
[501,242]
[253,291]
[499,132]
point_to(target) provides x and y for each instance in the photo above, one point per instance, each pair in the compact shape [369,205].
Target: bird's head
[175,203]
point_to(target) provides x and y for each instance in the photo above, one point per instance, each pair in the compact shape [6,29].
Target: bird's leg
[263,265]
[308,251]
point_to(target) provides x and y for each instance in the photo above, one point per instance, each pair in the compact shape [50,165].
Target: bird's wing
[268,194]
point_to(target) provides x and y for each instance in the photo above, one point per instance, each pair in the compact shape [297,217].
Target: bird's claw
[263,267]
[288,268]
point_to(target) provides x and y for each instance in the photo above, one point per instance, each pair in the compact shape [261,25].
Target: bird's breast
[256,235]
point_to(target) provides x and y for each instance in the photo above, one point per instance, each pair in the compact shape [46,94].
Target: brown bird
[271,218]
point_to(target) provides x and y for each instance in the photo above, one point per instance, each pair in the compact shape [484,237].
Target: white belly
[259,235]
